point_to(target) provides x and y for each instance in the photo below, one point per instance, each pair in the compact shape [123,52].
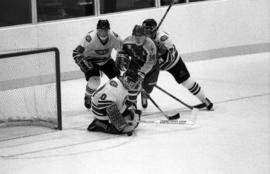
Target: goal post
[30,88]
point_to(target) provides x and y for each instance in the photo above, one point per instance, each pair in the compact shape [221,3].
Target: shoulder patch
[88,38]
[163,38]
[113,83]
[116,35]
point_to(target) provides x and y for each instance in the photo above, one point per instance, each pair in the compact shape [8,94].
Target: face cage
[103,33]
[148,30]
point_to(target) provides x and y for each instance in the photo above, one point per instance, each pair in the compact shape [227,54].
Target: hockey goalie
[113,112]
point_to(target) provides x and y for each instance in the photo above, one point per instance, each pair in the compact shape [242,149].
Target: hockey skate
[87,102]
[144,100]
[92,126]
[207,104]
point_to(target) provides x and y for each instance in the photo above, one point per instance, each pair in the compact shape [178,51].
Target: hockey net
[30,92]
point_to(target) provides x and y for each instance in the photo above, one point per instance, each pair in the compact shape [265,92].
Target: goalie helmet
[103,24]
[131,80]
[149,25]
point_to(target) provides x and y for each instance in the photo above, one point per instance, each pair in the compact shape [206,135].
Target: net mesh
[28,92]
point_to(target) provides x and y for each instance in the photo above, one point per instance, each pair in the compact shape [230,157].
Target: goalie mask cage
[30,91]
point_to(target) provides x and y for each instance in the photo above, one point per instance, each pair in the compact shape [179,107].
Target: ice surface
[233,139]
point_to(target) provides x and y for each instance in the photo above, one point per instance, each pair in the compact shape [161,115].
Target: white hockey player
[113,112]
[171,61]
[93,55]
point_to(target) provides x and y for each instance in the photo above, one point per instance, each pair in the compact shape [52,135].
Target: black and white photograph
[134,87]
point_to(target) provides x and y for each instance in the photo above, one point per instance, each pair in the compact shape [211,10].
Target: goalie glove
[122,61]
[84,65]
[132,117]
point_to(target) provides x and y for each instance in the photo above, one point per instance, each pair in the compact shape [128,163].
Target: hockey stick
[162,19]
[172,117]
[183,103]
[194,110]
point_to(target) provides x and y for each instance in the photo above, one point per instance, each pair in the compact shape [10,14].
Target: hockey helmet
[103,24]
[138,31]
[149,23]
[139,35]
[149,26]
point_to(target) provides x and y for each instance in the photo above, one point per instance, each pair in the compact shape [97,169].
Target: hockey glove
[84,65]
[132,80]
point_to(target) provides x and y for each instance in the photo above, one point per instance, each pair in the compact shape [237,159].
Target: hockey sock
[195,89]
[91,87]
[144,99]
[132,97]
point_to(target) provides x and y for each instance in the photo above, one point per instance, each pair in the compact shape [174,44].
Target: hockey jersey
[142,57]
[111,92]
[167,53]
[93,49]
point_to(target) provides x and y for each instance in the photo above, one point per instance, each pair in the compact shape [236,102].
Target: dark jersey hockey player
[138,55]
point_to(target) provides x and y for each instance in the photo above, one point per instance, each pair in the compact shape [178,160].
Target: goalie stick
[183,122]
[190,121]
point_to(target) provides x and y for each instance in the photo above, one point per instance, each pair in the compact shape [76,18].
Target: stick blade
[194,114]
[174,117]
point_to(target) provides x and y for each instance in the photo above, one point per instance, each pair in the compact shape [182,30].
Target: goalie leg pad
[115,117]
